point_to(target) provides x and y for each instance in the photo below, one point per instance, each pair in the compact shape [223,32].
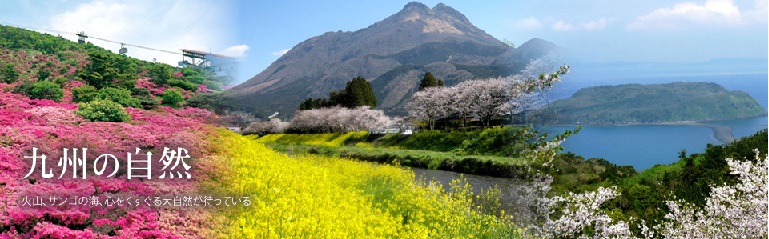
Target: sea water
[643,146]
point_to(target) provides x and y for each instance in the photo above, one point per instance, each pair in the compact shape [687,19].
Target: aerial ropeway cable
[82,36]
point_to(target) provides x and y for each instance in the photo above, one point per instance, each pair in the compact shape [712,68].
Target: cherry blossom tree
[338,119]
[738,211]
[430,104]
[731,211]
[486,98]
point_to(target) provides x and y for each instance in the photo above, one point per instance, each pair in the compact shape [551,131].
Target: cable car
[122,50]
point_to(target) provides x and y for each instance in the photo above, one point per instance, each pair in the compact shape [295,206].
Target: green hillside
[43,66]
[639,104]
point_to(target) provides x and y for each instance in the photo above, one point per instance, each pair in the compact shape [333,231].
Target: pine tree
[429,81]
[358,92]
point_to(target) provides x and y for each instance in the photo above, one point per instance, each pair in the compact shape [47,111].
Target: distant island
[649,104]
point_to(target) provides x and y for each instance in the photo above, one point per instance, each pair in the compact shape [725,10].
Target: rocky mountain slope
[393,54]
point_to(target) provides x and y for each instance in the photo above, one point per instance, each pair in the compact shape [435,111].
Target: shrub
[183,84]
[214,102]
[45,90]
[10,74]
[213,85]
[120,96]
[102,111]
[60,81]
[22,88]
[83,93]
[172,98]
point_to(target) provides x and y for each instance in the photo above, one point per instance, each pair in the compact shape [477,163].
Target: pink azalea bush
[30,65]
[51,126]
[145,83]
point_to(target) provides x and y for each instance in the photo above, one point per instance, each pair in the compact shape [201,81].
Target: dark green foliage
[9,74]
[574,173]
[107,75]
[43,75]
[194,75]
[109,70]
[148,103]
[138,92]
[501,141]
[18,39]
[120,96]
[83,93]
[172,98]
[22,88]
[213,85]
[160,74]
[144,97]
[635,103]
[311,103]
[429,81]
[183,84]
[213,102]
[471,164]
[89,93]
[644,195]
[357,93]
[45,90]
[702,171]
[61,81]
[102,111]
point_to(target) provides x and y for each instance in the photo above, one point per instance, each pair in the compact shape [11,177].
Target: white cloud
[599,24]
[238,51]
[712,13]
[165,25]
[526,24]
[280,53]
[563,26]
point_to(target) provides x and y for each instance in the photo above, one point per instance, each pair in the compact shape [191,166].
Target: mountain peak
[415,7]
[443,9]
[439,19]
[392,53]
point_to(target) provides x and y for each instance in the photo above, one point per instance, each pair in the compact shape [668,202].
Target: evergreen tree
[10,74]
[358,92]
[108,70]
[429,81]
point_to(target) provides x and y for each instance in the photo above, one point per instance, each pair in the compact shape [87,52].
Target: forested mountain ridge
[656,103]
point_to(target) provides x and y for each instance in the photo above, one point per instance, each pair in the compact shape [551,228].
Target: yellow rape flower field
[333,139]
[323,197]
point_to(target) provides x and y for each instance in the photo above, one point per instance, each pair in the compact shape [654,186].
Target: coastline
[723,134]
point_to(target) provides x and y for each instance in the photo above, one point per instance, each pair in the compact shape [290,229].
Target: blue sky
[166,25]
[258,32]
[593,30]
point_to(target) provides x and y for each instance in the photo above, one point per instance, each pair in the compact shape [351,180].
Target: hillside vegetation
[639,104]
